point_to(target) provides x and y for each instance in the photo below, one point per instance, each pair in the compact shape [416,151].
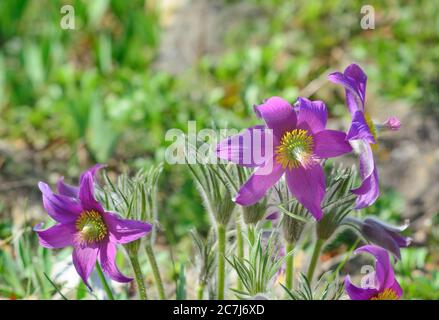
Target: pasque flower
[383,234]
[83,224]
[297,142]
[384,286]
[363,130]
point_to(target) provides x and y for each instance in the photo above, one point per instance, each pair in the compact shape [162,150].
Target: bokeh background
[110,89]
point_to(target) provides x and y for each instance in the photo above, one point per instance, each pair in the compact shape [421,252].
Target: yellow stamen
[387,294]
[91,227]
[295,149]
[373,130]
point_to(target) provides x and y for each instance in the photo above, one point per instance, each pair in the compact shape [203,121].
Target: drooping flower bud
[392,123]
[383,234]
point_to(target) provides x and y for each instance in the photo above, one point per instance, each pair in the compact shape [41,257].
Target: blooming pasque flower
[384,286]
[383,234]
[84,224]
[363,130]
[297,142]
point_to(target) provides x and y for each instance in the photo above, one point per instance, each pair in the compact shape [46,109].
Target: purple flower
[296,144]
[382,234]
[384,287]
[363,130]
[84,224]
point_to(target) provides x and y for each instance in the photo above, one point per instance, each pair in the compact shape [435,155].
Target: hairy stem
[251,233]
[221,230]
[315,257]
[200,291]
[104,282]
[138,276]
[240,247]
[289,271]
[155,272]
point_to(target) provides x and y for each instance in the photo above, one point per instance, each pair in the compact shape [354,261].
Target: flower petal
[402,242]
[330,143]
[369,189]
[383,269]
[125,230]
[84,260]
[308,186]
[380,237]
[387,226]
[107,260]
[312,113]
[354,81]
[93,170]
[356,293]
[368,192]
[73,191]
[59,236]
[385,235]
[360,129]
[61,208]
[273,216]
[86,194]
[278,114]
[67,189]
[259,182]
[247,148]
[397,289]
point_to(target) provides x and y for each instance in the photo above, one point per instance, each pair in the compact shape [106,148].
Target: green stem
[251,233]
[104,282]
[289,267]
[221,230]
[315,257]
[345,259]
[138,276]
[155,272]
[200,291]
[240,248]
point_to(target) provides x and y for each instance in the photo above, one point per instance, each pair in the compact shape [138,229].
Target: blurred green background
[109,90]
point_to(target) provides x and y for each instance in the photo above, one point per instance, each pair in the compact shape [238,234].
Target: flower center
[295,149]
[91,227]
[387,294]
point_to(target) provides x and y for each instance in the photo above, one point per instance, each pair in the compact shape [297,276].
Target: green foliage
[338,202]
[133,197]
[23,268]
[327,288]
[181,284]
[213,186]
[205,260]
[416,282]
[257,273]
